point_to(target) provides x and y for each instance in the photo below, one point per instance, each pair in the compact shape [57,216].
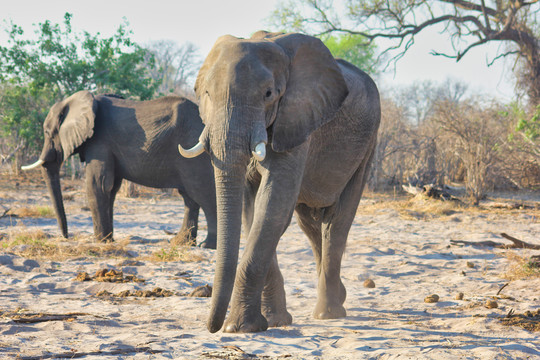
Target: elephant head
[68,125]
[266,93]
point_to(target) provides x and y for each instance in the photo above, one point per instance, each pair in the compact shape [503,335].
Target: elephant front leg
[272,212]
[99,188]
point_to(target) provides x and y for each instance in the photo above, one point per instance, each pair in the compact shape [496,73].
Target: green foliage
[70,62]
[530,127]
[22,111]
[37,72]
[527,124]
[297,16]
[354,49]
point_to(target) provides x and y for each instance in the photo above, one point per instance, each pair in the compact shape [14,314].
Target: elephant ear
[314,93]
[77,121]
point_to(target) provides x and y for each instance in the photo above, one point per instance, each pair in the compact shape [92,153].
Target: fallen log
[517,244]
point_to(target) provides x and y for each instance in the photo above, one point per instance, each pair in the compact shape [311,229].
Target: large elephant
[288,128]
[134,140]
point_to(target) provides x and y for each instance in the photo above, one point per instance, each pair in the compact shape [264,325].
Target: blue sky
[203,21]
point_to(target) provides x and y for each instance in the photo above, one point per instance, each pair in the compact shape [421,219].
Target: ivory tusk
[260,151]
[33,166]
[193,152]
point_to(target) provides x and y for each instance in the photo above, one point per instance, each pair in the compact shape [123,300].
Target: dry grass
[35,212]
[415,208]
[521,267]
[176,253]
[178,249]
[36,244]
[421,207]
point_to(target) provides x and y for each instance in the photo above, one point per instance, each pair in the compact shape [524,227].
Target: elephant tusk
[193,152]
[260,151]
[33,166]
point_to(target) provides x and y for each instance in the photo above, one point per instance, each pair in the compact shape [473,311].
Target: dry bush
[521,267]
[395,148]
[432,135]
[475,135]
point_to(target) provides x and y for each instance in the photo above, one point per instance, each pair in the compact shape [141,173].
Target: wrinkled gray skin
[134,140]
[319,118]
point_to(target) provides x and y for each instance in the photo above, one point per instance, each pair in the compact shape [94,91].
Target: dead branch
[36,318]
[5,213]
[517,244]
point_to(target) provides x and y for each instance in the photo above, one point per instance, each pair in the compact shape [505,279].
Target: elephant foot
[105,239]
[209,243]
[329,311]
[331,307]
[244,325]
[278,319]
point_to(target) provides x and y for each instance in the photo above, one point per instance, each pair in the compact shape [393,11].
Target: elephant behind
[133,140]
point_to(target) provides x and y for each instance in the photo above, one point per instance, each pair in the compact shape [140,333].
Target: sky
[203,21]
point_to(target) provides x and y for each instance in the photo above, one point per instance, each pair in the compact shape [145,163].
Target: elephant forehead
[246,59]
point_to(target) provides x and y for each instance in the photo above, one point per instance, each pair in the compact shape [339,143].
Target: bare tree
[175,66]
[475,134]
[472,23]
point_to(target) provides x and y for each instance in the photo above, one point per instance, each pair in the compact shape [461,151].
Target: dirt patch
[108,275]
[530,320]
[157,292]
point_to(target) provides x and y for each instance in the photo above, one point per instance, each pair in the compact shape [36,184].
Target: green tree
[37,72]
[354,49]
[469,23]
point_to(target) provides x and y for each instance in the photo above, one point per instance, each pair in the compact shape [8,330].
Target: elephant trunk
[51,174]
[232,144]
[229,190]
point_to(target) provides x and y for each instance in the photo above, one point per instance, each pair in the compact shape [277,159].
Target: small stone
[491,304]
[432,298]
[202,291]
[368,283]
[459,296]
[101,273]
[83,276]
[123,294]
[470,265]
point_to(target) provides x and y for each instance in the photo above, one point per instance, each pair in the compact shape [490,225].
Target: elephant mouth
[258,152]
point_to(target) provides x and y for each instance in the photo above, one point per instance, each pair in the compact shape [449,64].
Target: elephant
[133,140]
[289,129]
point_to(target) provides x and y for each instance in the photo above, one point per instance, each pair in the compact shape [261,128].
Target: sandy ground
[46,313]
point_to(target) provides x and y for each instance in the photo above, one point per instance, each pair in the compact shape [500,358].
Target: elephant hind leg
[188,231]
[274,304]
[336,223]
[310,221]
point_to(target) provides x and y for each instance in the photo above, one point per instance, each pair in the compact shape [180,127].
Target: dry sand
[46,313]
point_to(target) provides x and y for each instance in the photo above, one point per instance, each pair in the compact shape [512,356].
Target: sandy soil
[46,313]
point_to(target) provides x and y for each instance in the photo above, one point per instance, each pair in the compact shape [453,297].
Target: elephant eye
[268,93]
